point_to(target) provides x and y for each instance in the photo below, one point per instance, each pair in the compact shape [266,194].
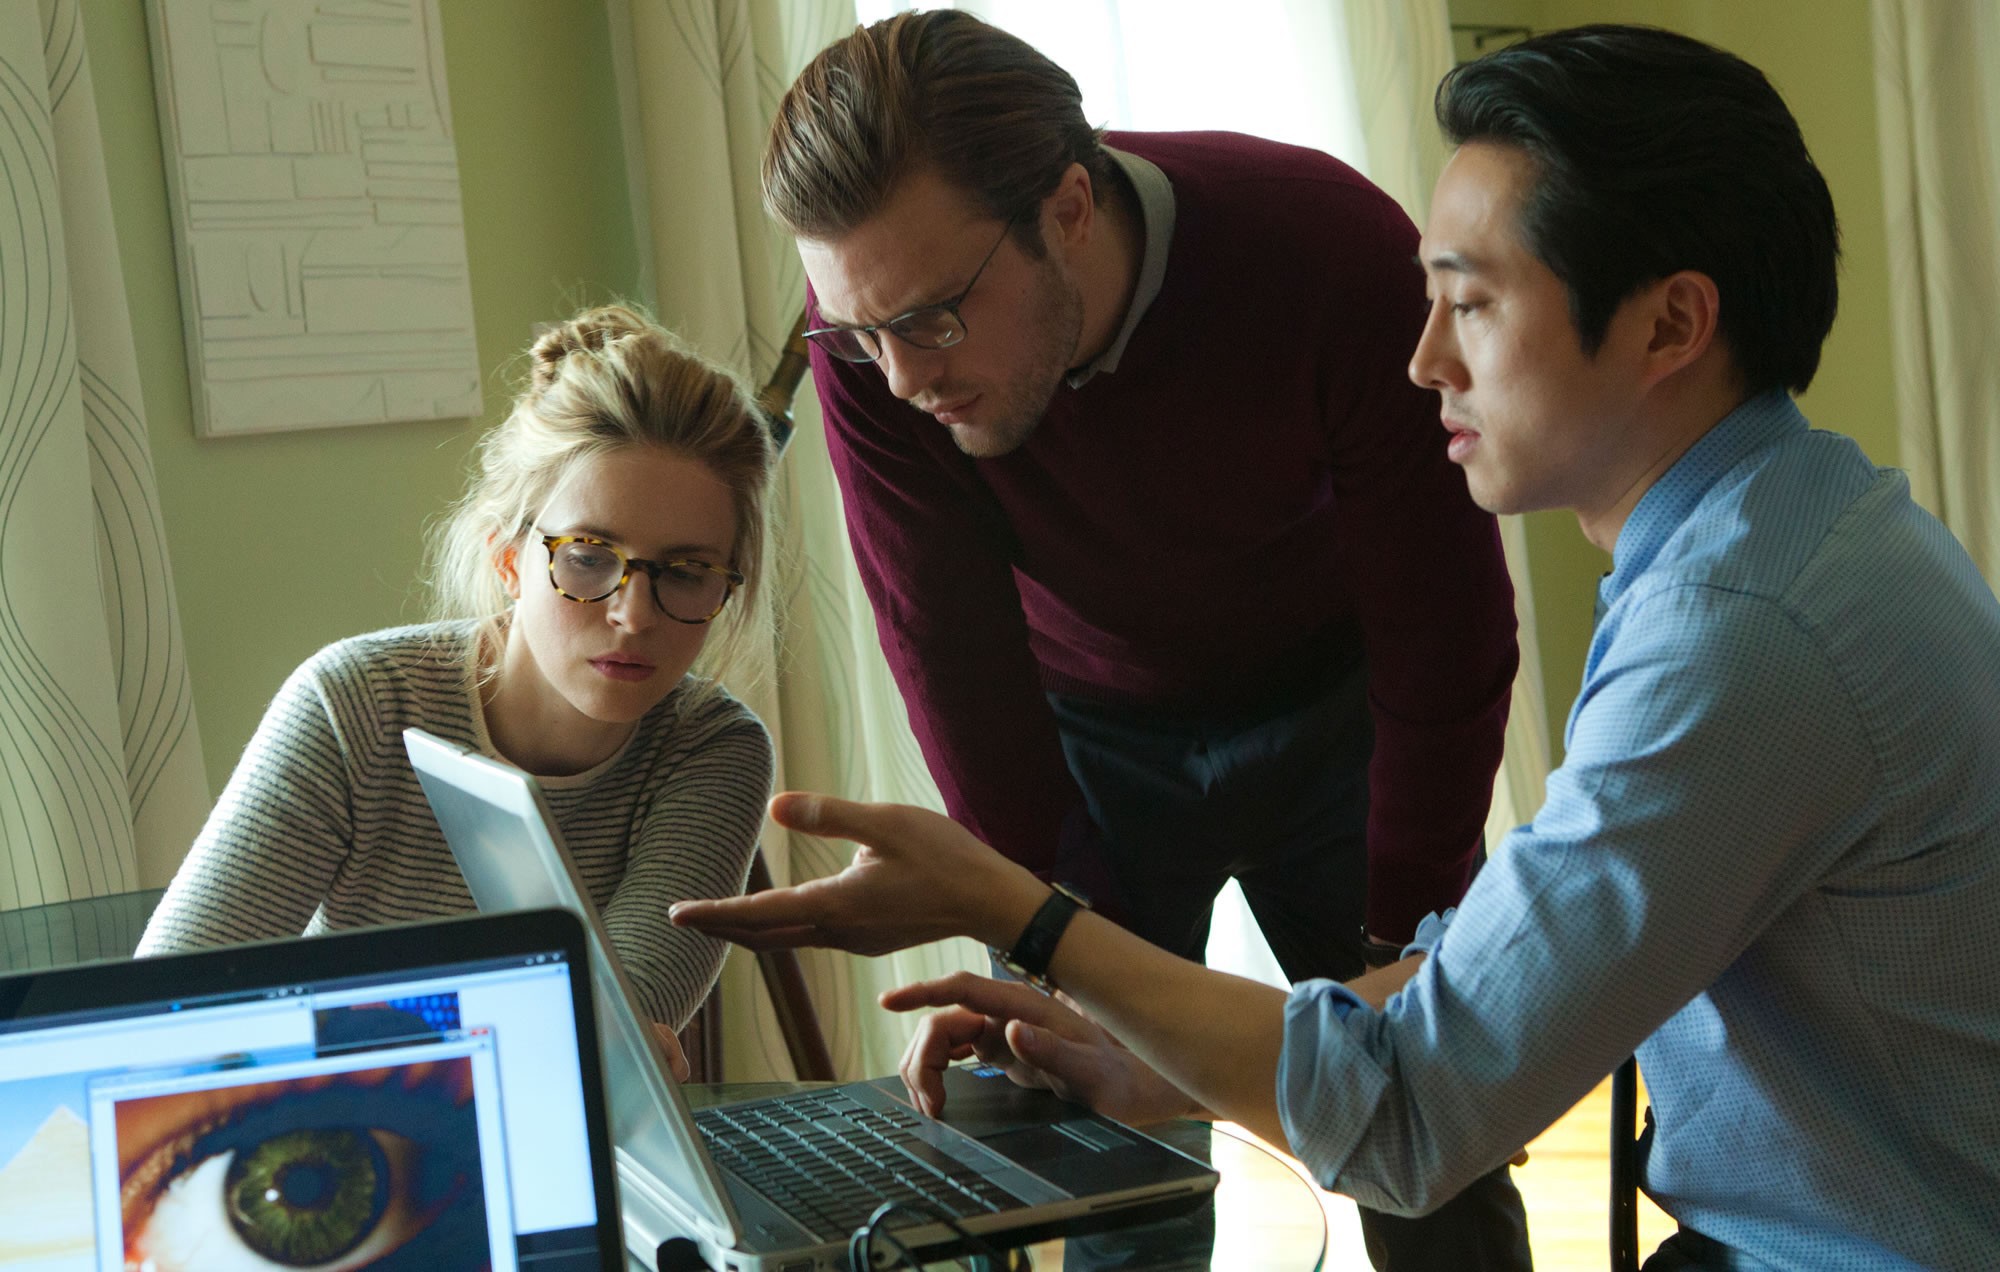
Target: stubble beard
[1024,400]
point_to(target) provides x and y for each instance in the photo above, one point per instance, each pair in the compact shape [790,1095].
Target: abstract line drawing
[318,225]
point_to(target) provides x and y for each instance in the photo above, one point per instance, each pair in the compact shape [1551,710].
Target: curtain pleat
[1937,88]
[101,782]
[1397,51]
[700,82]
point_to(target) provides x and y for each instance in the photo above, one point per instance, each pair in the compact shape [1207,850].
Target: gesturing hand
[1040,1041]
[917,877]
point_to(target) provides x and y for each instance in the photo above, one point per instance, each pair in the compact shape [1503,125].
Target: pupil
[305,1185]
[307,1197]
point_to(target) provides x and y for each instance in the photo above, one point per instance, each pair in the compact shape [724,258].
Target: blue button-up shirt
[1770,863]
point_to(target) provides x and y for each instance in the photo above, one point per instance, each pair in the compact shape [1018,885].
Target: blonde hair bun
[587,333]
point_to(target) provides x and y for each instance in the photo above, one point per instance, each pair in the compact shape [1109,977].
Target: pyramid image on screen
[45,1210]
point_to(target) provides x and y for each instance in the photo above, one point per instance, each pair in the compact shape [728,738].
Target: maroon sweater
[1256,492]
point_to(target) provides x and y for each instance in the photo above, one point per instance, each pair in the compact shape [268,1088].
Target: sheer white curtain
[1937,87]
[101,783]
[1397,51]
[1353,78]
[700,80]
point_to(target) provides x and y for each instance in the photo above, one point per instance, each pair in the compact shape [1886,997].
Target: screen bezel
[244,973]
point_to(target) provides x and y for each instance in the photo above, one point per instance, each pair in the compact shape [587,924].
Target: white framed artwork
[318,228]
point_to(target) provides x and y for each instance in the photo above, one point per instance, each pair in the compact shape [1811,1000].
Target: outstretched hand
[917,877]
[1040,1041]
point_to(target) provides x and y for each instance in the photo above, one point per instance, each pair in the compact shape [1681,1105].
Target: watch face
[1026,977]
[1036,947]
[1007,964]
[1072,894]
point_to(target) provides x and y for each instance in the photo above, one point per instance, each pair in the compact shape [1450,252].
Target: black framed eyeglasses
[931,327]
[587,570]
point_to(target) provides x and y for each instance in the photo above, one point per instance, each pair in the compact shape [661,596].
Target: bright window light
[1272,68]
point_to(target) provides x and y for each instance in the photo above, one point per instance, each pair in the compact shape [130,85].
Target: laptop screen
[430,1115]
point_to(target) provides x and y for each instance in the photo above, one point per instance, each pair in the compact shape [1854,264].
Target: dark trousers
[1276,798]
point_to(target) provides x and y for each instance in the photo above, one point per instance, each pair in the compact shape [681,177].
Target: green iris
[306,1197]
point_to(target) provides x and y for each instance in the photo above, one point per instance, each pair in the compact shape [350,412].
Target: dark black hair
[1657,153]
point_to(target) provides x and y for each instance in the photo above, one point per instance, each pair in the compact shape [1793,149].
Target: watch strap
[1035,948]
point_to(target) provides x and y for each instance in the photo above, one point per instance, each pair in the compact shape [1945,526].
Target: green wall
[1819,55]
[283,543]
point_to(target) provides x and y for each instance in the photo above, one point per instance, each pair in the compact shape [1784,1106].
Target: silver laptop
[771,1184]
[425,1096]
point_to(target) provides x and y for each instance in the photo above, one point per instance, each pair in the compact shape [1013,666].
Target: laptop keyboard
[827,1157]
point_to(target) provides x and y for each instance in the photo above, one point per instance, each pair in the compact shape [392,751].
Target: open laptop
[421,1097]
[772,1184]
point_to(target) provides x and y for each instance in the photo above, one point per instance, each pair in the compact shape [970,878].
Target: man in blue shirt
[1771,859]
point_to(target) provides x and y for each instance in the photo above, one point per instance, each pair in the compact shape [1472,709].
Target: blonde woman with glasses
[594,584]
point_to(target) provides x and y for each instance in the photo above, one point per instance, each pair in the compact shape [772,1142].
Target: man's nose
[1435,363]
[908,369]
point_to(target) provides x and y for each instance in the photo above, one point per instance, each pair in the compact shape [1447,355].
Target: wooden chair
[1625,1168]
[798,1022]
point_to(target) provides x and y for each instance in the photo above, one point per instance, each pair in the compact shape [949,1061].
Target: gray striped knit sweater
[323,825]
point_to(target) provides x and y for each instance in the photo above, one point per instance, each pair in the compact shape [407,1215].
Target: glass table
[74,931]
[1265,1216]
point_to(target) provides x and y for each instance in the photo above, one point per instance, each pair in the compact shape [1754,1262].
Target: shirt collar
[1666,507]
[1156,214]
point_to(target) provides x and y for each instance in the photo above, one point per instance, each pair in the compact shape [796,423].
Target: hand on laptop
[1040,1041]
[671,1044]
[917,877]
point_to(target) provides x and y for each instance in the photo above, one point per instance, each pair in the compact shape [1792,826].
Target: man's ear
[1686,314]
[1073,207]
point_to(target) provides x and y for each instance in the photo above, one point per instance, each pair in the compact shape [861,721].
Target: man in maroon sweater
[1174,577]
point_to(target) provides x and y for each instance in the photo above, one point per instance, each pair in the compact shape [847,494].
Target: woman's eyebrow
[671,552]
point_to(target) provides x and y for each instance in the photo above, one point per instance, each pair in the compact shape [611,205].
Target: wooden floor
[1566,1185]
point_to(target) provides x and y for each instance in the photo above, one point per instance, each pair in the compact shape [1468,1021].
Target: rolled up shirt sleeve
[1324,1075]
[1683,824]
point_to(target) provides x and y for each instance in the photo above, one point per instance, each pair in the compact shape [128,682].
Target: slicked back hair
[1656,153]
[942,91]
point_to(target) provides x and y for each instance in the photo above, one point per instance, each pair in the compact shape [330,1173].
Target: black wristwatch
[1376,953]
[1032,951]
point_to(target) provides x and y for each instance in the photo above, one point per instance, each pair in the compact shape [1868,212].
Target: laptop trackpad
[1072,1162]
[982,1101]
[1049,1136]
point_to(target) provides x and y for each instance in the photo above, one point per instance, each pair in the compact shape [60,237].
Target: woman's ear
[507,561]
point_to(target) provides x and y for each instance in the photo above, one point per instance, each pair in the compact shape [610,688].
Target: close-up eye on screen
[372,1169]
